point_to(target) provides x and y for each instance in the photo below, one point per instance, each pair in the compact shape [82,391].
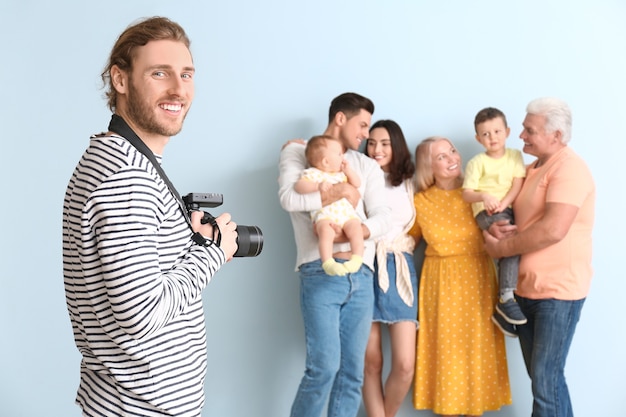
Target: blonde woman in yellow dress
[461,365]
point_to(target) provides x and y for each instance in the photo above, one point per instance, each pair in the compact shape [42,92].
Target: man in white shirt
[337,310]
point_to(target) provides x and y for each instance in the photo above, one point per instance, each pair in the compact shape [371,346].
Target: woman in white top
[395,279]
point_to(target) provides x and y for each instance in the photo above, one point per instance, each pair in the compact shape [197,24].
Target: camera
[249,238]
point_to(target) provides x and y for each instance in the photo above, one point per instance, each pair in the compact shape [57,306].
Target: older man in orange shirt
[554,213]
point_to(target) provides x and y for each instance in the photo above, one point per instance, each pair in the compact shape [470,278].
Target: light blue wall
[266,72]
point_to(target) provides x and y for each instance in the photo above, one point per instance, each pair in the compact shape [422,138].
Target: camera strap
[119,126]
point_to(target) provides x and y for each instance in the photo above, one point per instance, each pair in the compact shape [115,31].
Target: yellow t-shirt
[493,176]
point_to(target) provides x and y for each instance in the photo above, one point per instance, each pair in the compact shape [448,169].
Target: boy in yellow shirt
[492,181]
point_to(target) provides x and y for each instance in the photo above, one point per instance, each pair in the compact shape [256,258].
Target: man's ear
[119,79]
[340,118]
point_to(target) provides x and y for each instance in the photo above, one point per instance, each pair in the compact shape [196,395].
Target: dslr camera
[249,238]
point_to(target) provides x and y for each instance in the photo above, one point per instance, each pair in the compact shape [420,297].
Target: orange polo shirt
[563,270]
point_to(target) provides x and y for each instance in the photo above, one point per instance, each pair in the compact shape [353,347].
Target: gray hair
[557,113]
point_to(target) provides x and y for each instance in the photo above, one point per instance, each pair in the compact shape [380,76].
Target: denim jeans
[337,313]
[508,267]
[545,342]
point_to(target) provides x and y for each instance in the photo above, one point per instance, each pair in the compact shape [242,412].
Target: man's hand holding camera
[227,229]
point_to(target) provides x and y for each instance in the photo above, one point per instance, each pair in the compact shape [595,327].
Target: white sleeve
[375,204]
[291,164]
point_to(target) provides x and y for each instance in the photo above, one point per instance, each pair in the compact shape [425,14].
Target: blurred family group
[508,252]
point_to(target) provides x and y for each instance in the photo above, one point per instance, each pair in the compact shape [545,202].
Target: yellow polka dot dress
[461,363]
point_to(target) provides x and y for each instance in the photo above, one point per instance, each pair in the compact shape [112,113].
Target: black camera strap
[119,126]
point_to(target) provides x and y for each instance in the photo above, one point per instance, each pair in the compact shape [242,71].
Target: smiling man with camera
[135,261]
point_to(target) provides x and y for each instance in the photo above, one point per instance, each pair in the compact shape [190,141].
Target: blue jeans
[508,267]
[337,313]
[545,342]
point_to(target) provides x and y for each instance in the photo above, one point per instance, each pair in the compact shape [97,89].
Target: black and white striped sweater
[133,283]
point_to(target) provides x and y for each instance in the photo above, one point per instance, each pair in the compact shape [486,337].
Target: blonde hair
[316,148]
[424,177]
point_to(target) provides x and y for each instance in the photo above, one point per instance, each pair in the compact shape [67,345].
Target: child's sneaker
[510,311]
[505,327]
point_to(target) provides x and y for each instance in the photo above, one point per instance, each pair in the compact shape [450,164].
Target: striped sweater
[133,283]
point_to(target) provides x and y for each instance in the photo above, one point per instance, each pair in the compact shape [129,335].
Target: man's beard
[143,116]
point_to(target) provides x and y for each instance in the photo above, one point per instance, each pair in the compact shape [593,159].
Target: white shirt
[377,213]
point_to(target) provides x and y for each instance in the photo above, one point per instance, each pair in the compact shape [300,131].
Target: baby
[325,155]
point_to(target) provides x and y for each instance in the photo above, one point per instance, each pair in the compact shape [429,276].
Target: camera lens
[249,241]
